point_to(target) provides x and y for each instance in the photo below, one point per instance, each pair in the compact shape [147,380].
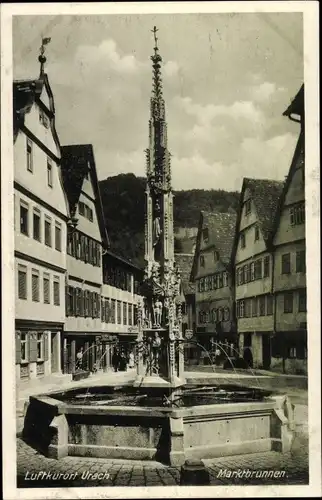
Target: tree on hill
[123,198]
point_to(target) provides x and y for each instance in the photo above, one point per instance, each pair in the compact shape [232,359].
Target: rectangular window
[220,280]
[266,266]
[47,231]
[24,211]
[81,208]
[216,256]
[288,302]
[22,282]
[35,285]
[248,305]
[56,291]
[49,172]
[119,312]
[135,315]
[90,214]
[269,309]
[252,271]
[254,307]
[258,269]
[256,233]
[205,235]
[241,308]
[302,300]
[242,240]
[130,314]
[125,313]
[246,273]
[36,224]
[225,278]
[46,283]
[262,305]
[248,207]
[24,347]
[297,214]
[286,263]
[113,311]
[202,261]
[206,284]
[30,166]
[40,346]
[58,236]
[300,261]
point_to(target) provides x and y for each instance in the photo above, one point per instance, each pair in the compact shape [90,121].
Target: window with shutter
[35,285]
[32,346]
[98,301]
[252,271]
[90,251]
[46,345]
[46,286]
[40,346]
[22,282]
[56,291]
[86,245]
[77,301]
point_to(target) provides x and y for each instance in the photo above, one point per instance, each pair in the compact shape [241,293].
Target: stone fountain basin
[59,427]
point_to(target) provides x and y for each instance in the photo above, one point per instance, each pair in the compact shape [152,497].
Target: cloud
[265,91]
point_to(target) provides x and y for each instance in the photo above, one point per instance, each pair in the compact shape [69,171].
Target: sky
[227,79]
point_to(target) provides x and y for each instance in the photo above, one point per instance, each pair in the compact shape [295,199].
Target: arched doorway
[248,357]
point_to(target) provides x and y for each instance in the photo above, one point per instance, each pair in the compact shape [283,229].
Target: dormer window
[49,172]
[205,235]
[248,206]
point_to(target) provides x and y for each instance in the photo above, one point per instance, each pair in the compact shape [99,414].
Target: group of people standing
[121,360]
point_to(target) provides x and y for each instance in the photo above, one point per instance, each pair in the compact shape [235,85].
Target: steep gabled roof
[221,230]
[25,93]
[297,105]
[265,194]
[76,161]
[128,263]
[184,262]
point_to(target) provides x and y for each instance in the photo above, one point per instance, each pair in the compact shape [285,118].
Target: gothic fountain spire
[159,314]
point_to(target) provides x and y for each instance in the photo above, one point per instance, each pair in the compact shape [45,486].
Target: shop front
[38,349]
[88,351]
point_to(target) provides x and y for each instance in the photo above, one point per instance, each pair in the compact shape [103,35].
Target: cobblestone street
[135,473]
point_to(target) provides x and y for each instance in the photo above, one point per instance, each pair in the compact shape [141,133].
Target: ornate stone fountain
[157,416]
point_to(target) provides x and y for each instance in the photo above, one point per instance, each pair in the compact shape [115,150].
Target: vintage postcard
[161,229]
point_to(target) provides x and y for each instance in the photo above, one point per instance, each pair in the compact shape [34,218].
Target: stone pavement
[76,471]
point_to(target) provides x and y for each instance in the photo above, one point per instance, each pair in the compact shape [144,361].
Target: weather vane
[42,58]
[154,31]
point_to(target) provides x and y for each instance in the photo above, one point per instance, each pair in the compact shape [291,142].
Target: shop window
[40,346]
[24,347]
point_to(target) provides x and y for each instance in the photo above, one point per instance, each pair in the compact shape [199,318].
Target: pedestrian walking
[116,360]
